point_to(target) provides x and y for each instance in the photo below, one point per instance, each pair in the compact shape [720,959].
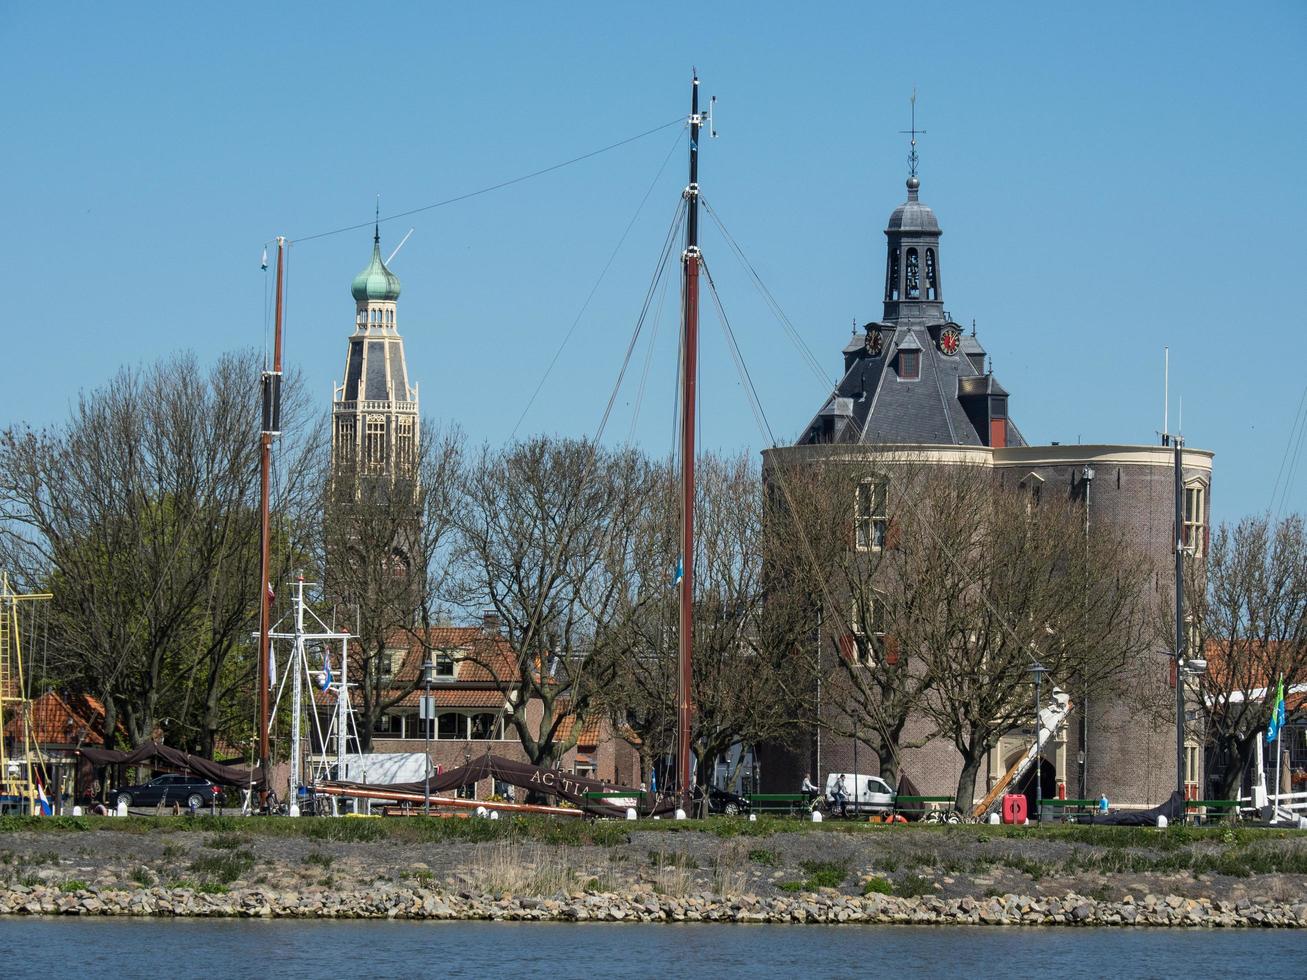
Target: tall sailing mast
[271,427]
[690,346]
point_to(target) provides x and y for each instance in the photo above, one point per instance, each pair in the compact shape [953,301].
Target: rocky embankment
[826,906]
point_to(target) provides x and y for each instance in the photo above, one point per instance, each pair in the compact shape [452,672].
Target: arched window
[932,276]
[892,276]
[1195,518]
[912,276]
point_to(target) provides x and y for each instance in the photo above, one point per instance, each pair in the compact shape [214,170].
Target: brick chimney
[490,622]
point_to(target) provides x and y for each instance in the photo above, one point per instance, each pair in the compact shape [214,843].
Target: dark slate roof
[881,407]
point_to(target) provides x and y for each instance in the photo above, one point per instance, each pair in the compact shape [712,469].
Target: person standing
[841,795]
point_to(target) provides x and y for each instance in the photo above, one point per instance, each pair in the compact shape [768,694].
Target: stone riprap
[824,906]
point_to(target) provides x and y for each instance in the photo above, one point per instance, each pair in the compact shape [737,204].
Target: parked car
[862,794]
[722,801]
[189,791]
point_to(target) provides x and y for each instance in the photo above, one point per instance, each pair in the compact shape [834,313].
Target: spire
[376,226]
[913,181]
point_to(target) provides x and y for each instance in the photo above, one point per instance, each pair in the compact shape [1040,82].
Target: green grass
[73,885]
[821,874]
[760,855]
[227,842]
[224,868]
[877,886]
[212,888]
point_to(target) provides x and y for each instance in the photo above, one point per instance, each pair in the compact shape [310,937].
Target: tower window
[892,276]
[909,365]
[912,276]
[1194,523]
[932,279]
[868,628]
[374,442]
[870,515]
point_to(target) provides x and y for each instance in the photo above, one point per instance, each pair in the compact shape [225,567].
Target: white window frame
[873,640]
[869,527]
[1195,517]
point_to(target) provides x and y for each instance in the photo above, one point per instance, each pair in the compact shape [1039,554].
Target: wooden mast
[690,367]
[271,383]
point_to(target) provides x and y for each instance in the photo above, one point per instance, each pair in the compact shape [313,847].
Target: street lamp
[428,714]
[1039,670]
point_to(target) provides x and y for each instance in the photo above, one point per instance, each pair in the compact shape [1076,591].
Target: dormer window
[909,365]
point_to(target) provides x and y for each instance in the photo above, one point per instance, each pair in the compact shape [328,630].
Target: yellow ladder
[13,703]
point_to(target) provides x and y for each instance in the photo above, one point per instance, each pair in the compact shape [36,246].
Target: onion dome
[376,282]
[912,215]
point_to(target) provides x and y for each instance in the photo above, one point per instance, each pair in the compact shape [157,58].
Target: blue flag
[1277,713]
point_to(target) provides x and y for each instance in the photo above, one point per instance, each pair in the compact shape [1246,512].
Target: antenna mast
[690,343]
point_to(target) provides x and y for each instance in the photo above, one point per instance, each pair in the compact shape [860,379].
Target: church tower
[374,413]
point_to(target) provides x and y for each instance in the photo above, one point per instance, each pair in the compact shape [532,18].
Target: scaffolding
[20,788]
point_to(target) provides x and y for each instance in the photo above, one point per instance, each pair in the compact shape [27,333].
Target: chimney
[490,622]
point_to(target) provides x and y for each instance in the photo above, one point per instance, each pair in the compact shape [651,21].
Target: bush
[760,855]
[318,858]
[825,874]
[913,885]
[72,885]
[225,868]
[877,885]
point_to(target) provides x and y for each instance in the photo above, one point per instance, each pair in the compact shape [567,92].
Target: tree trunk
[966,791]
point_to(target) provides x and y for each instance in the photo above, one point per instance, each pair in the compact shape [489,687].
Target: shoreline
[824,907]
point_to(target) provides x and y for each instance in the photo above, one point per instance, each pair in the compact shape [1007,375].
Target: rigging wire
[648,359]
[679,120]
[1290,457]
[595,288]
[805,351]
[733,346]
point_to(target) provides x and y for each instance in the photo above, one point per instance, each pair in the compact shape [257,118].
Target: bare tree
[545,532]
[834,540]
[139,514]
[385,541]
[744,674]
[1003,582]
[1249,615]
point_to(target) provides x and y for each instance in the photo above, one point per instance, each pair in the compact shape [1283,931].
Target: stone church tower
[374,414]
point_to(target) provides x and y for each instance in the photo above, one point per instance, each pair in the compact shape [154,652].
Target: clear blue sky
[1111,179]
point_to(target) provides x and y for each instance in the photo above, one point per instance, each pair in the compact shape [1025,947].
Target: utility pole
[1180,637]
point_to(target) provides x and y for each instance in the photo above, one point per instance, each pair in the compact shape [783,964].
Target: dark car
[189,791]
[721,801]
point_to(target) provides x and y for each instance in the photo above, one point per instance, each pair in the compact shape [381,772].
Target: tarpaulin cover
[226,775]
[914,811]
[1172,809]
[550,782]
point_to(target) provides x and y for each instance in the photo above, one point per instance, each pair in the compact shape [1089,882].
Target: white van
[862,794]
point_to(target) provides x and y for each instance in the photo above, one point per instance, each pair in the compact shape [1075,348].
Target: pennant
[325,678]
[263,262]
[680,571]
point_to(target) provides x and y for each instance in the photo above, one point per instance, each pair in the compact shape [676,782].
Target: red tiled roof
[55,723]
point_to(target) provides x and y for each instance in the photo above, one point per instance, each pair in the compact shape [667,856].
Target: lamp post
[1039,670]
[429,719]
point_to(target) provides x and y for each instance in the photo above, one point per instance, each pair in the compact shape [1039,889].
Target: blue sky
[1111,179]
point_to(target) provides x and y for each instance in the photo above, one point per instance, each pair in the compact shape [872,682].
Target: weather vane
[914,132]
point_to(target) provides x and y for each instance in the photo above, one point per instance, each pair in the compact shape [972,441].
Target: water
[243,948]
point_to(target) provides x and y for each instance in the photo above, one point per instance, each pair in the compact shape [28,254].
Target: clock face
[873,342]
[950,340]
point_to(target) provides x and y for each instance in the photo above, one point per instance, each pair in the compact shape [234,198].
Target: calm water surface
[235,948]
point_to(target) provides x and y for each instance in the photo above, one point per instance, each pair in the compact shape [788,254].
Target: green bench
[1229,809]
[921,804]
[791,803]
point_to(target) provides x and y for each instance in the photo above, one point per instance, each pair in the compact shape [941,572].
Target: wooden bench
[789,803]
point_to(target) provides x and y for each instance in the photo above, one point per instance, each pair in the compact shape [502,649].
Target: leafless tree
[1249,616]
[545,531]
[139,514]
[385,544]
[744,675]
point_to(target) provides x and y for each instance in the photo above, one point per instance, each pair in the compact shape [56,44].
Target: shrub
[825,874]
[72,885]
[912,885]
[225,868]
[877,885]
[760,855]
[318,858]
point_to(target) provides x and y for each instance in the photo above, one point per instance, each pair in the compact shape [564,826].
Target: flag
[272,596]
[1277,713]
[272,667]
[653,781]
[680,571]
[325,677]
[43,801]
[263,262]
